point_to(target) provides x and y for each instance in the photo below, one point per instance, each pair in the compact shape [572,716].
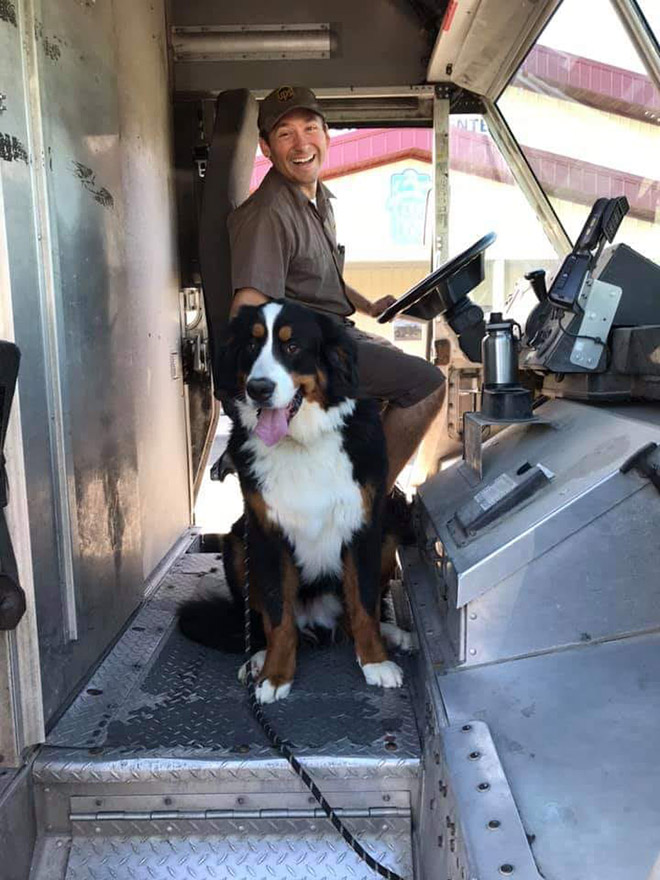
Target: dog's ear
[225,364]
[227,352]
[339,355]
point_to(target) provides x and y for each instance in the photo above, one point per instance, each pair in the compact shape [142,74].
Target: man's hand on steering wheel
[380,305]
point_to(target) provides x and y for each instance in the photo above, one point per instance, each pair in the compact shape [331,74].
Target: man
[283,244]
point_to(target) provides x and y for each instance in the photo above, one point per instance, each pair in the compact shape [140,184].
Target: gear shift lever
[537,279]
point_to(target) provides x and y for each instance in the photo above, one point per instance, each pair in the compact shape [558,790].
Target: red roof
[476,153]
[601,85]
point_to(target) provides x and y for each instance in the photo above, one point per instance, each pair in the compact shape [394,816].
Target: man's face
[297,147]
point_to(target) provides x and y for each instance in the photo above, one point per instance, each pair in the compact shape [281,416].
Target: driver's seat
[226,184]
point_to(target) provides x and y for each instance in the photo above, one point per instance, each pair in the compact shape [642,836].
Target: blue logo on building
[407,206]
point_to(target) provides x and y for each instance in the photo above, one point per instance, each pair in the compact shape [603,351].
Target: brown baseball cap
[282,101]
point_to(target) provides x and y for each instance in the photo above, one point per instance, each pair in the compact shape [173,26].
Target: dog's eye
[292,348]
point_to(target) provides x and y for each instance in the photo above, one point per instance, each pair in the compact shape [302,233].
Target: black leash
[280,746]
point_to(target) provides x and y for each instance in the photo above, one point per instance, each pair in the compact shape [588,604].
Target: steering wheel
[423,290]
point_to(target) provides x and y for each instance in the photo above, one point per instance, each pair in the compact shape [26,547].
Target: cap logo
[285,93]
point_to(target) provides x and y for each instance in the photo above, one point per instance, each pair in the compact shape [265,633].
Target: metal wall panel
[25,280]
[98,98]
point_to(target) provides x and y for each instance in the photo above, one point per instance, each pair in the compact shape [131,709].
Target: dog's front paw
[256,664]
[266,692]
[386,674]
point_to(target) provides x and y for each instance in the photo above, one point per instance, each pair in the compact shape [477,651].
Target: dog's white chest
[311,494]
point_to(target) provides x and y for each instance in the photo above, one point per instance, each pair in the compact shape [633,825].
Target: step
[158,768]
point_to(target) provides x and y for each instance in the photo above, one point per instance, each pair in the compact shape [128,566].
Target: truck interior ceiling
[494,169]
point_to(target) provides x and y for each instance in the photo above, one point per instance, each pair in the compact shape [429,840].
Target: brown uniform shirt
[284,246]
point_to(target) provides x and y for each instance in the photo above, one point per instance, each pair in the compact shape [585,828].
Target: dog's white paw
[269,693]
[397,638]
[257,664]
[386,674]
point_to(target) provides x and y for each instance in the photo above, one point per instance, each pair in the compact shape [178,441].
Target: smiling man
[284,246]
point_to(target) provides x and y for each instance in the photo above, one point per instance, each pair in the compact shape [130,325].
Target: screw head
[483,786]
[474,756]
[506,870]
[493,824]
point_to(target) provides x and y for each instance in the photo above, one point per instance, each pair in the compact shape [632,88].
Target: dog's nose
[260,390]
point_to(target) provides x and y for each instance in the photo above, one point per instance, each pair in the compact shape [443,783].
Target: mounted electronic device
[587,333]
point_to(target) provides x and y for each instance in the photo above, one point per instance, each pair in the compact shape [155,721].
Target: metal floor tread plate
[159,698]
[240,850]
[159,770]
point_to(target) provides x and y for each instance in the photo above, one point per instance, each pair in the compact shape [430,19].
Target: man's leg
[412,388]
[405,429]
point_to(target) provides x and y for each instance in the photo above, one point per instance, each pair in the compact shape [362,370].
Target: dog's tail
[218,622]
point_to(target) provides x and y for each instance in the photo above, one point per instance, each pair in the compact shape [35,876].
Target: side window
[587,117]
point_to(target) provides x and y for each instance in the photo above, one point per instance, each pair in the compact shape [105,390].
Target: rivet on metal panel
[466,727]
[474,756]
[494,824]
[506,870]
[483,786]
[473,651]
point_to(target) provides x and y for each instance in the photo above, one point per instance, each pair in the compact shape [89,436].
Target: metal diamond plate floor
[158,694]
[239,850]
[164,721]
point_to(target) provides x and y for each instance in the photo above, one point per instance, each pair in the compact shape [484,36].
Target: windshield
[587,117]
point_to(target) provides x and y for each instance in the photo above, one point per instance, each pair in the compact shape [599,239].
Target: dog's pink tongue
[272,425]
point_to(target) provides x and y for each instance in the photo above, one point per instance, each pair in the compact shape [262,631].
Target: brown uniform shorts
[390,374]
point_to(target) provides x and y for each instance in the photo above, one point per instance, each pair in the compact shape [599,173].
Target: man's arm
[246,296]
[362,304]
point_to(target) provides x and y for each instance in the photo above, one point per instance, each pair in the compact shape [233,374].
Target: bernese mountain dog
[319,530]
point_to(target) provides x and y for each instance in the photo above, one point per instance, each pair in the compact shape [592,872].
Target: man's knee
[433,400]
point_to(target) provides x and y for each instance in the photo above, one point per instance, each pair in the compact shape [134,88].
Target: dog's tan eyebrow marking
[258,330]
[285,333]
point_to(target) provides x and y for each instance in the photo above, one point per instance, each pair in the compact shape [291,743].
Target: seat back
[226,185]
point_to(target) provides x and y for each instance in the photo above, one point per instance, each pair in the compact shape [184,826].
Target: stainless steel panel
[583,447]
[24,280]
[469,826]
[576,732]
[98,95]
[600,582]
[494,837]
